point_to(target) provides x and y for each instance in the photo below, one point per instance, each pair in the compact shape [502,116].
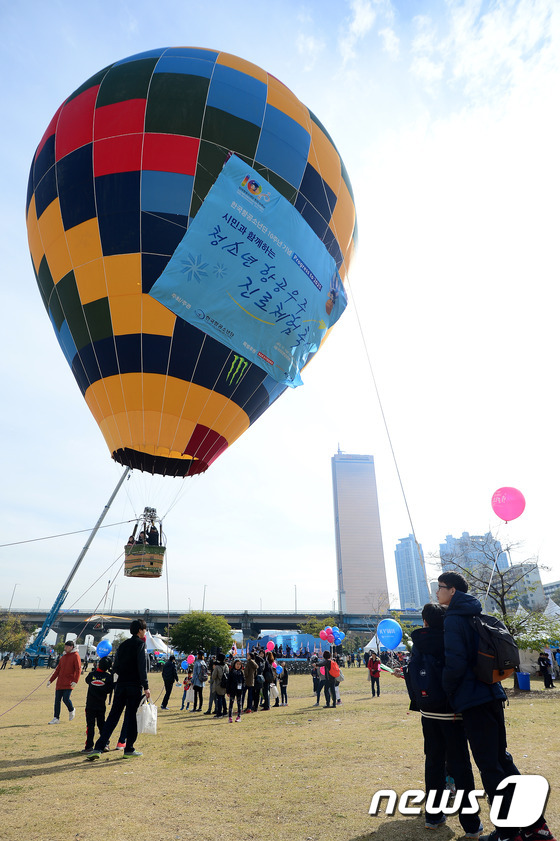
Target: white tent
[155,643]
[552,609]
[375,645]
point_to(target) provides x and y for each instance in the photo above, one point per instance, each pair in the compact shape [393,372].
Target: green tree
[202,631]
[532,630]
[312,625]
[13,635]
[354,640]
[119,638]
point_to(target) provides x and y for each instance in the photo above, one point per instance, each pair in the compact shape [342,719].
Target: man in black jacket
[170,676]
[131,668]
[445,743]
[481,705]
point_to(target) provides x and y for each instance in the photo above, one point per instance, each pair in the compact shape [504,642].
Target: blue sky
[447,119]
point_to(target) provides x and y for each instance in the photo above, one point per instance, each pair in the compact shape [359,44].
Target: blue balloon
[341,634]
[278,670]
[184,665]
[103,648]
[389,633]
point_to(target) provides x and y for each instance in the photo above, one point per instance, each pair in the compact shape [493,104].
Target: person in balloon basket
[67,674]
[481,704]
[374,669]
[132,683]
[100,689]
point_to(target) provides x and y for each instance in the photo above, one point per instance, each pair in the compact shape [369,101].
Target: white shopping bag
[146,717]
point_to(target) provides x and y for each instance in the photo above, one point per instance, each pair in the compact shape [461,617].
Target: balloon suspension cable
[168,617]
[63,534]
[386,425]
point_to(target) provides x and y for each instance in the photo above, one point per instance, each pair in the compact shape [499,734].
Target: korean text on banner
[252,274]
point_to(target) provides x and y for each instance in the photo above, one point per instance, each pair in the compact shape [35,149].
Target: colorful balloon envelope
[118,178]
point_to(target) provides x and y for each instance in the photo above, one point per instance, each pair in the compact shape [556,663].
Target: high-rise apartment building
[411,575]
[362,582]
[471,551]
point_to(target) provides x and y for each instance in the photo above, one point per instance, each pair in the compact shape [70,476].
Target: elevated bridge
[251,622]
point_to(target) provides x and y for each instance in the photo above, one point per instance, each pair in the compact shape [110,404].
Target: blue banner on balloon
[103,648]
[251,273]
[389,633]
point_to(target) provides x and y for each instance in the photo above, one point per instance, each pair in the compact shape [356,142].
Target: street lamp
[11,600]
[203,598]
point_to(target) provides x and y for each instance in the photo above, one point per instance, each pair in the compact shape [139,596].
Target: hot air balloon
[121,173]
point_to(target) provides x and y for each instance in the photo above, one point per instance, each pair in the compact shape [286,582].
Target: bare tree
[485,564]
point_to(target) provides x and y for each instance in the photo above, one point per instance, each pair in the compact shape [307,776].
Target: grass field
[296,773]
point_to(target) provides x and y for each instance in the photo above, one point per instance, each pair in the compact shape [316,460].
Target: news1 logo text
[528,801]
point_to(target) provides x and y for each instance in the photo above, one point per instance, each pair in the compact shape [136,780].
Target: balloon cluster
[333,635]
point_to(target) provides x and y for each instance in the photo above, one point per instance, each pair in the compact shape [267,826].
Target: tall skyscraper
[362,582]
[413,586]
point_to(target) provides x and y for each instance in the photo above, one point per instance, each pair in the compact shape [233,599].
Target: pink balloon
[274,664]
[190,659]
[330,638]
[508,503]
[323,635]
[328,629]
[322,670]
[269,645]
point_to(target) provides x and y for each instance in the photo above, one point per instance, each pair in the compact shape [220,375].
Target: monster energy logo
[238,368]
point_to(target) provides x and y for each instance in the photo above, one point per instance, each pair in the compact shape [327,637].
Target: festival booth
[155,643]
[300,645]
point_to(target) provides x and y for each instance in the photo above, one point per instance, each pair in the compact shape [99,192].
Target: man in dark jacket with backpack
[481,704]
[170,676]
[445,743]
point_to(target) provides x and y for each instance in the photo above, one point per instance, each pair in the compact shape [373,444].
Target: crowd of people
[459,711]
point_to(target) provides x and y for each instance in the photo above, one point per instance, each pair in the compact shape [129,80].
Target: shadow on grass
[407,829]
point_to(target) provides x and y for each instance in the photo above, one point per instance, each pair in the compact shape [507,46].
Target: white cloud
[310,48]
[391,43]
[360,23]
[482,55]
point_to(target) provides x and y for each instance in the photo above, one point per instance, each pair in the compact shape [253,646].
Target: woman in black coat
[235,684]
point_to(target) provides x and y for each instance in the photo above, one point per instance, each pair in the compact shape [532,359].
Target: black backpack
[497,655]
[423,681]
[224,678]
